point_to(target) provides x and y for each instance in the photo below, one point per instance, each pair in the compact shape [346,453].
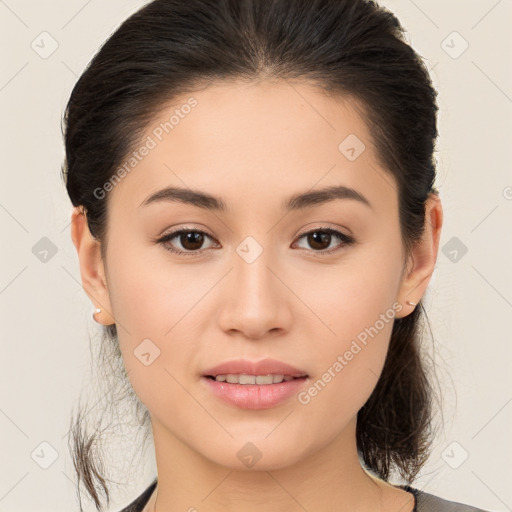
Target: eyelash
[347,240]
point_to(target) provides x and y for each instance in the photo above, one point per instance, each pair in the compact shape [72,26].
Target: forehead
[269,138]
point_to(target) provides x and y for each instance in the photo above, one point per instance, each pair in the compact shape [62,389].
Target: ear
[422,260]
[91,266]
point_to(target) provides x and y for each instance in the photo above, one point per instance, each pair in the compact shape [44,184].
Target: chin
[256,454]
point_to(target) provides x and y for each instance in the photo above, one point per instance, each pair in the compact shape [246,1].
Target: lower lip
[255,396]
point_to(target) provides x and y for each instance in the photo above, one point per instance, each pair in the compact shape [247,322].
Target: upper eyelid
[178,231]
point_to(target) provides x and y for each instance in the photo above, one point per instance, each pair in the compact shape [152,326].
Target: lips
[262,367]
[232,382]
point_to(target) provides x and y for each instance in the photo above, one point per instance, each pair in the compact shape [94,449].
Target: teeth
[252,379]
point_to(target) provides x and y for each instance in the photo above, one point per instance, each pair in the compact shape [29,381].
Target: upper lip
[262,367]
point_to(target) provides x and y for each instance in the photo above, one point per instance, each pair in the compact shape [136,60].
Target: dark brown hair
[348,48]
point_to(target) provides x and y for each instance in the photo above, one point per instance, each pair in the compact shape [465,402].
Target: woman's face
[266,279]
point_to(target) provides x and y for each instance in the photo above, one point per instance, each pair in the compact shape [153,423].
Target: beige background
[45,314]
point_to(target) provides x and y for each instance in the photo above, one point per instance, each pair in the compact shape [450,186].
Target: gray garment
[424,502]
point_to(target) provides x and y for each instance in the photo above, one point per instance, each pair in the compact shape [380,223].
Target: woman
[256,223]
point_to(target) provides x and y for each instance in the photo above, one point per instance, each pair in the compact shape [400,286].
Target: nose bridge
[255,302]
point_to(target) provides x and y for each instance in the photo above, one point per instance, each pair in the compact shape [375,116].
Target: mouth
[248,379]
[251,391]
[249,384]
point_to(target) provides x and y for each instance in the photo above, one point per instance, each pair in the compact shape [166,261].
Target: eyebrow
[296,202]
[187,196]
[324,195]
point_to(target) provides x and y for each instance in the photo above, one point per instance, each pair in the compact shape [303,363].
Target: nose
[255,302]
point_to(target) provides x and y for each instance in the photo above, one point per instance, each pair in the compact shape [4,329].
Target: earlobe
[423,257]
[92,269]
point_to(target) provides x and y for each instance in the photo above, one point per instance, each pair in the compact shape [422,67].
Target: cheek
[148,296]
[346,374]
[163,322]
[148,308]
[356,303]
[346,299]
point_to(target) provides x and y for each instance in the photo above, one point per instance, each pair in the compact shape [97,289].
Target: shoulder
[426,502]
[138,504]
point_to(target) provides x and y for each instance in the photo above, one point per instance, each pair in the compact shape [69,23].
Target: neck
[328,479]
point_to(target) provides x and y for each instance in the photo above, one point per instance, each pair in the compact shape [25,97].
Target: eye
[320,240]
[191,241]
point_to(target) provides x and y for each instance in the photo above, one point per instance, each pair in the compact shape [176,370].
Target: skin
[254,146]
